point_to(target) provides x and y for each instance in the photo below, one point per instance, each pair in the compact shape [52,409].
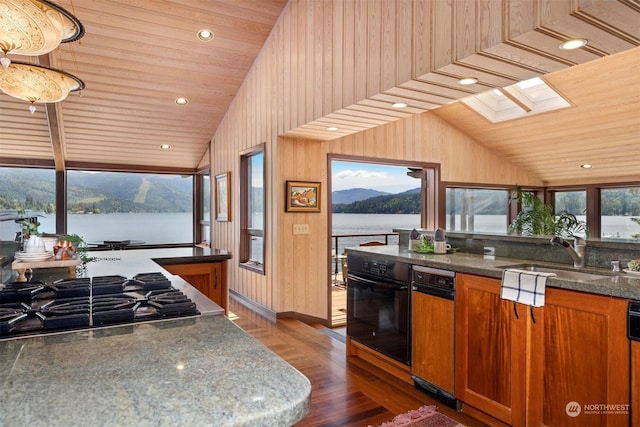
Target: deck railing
[342,241]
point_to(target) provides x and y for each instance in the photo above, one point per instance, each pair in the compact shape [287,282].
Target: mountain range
[360,200]
[34,189]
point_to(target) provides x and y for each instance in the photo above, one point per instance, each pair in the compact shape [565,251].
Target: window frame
[202,198]
[247,233]
[194,202]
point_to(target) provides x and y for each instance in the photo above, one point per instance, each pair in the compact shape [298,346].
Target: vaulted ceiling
[137,57]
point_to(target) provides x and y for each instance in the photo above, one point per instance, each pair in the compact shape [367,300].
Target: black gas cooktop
[68,304]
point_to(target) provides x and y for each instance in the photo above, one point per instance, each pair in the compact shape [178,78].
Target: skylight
[524,98]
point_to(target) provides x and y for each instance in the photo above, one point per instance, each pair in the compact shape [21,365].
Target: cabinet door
[635,383]
[215,285]
[432,325]
[585,360]
[197,275]
[490,350]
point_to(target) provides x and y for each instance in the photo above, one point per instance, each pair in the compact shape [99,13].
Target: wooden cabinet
[538,367]
[635,383]
[585,359]
[208,278]
[490,350]
[432,355]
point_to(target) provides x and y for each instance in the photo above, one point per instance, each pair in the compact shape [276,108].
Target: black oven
[378,305]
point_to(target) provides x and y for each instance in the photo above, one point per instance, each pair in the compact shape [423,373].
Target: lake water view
[159,228]
[151,228]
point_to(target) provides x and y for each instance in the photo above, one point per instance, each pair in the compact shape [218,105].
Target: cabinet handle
[515,310]
[215,279]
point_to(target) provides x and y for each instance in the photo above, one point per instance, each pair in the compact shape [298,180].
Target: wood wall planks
[322,56]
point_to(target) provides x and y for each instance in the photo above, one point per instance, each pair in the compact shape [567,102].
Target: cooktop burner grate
[34,307]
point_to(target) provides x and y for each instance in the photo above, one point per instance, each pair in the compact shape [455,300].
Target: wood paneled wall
[290,84]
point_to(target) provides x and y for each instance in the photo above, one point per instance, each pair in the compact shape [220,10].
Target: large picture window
[252,205]
[27,192]
[148,208]
[620,213]
[477,210]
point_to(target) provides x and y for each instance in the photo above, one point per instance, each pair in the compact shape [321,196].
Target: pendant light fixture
[37,83]
[33,28]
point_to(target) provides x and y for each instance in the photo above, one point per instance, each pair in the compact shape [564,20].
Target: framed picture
[223,197]
[303,196]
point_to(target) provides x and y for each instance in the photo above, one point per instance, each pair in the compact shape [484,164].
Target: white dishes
[632,272]
[33,256]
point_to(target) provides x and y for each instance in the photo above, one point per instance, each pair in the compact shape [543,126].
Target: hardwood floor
[345,391]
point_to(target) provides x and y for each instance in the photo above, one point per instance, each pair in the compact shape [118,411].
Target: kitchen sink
[560,273]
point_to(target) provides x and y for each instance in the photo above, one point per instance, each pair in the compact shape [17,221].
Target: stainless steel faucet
[577,252]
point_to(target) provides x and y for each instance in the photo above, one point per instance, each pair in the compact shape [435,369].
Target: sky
[391,179]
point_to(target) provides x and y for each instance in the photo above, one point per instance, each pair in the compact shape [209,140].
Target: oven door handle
[375,283]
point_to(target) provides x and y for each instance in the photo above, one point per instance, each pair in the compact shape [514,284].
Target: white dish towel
[526,287]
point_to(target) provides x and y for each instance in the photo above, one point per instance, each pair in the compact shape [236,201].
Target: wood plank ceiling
[137,57]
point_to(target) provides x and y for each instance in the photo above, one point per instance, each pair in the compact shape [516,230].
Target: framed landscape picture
[303,196]
[223,197]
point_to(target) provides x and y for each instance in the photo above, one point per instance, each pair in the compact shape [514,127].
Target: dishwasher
[432,327]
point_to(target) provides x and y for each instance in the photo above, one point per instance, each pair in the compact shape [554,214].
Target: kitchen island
[199,370]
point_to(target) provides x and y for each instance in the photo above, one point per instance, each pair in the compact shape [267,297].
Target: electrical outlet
[300,228]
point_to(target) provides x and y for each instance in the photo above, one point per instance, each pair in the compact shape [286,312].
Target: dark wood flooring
[345,391]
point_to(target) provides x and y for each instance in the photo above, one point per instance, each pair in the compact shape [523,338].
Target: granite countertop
[200,371]
[619,285]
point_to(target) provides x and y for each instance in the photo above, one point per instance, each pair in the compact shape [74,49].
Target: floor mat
[425,416]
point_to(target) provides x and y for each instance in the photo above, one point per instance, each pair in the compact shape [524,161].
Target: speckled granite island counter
[191,371]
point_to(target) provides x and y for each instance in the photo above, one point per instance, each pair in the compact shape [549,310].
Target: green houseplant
[536,218]
[29,226]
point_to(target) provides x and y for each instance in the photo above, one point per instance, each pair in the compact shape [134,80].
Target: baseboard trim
[304,318]
[253,306]
[274,316]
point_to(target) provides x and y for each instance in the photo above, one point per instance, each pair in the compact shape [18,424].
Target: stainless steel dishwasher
[432,330]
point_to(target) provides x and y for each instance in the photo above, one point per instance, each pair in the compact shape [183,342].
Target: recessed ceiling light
[182,101]
[573,44]
[586,166]
[332,128]
[205,35]
[468,81]
[165,146]
[399,105]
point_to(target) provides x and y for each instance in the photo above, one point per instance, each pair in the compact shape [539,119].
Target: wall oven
[378,305]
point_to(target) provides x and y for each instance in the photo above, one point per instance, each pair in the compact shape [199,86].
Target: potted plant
[30,236]
[536,218]
[29,227]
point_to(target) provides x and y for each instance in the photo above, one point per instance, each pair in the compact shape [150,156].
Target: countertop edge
[194,259]
[615,285]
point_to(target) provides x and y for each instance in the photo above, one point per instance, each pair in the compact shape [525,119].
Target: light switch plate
[300,228]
